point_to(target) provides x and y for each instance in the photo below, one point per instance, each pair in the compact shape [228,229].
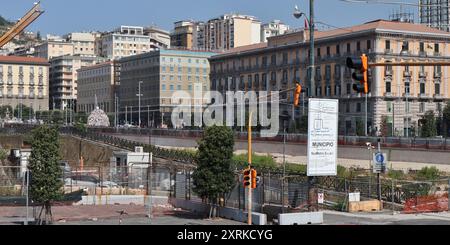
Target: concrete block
[301,218]
[365,206]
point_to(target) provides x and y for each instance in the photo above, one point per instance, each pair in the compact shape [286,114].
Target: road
[349,156]
[337,218]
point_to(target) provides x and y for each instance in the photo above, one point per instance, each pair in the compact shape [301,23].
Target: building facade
[162,73]
[183,35]
[435,13]
[52,48]
[96,87]
[399,95]
[231,31]
[24,80]
[159,39]
[273,28]
[123,42]
[63,79]
[83,42]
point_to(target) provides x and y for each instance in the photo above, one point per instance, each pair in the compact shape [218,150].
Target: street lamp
[140,95]
[298,14]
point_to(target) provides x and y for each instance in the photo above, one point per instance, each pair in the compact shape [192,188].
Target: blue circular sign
[379,158]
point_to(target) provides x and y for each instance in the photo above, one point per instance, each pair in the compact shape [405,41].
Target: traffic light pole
[366,116]
[249,209]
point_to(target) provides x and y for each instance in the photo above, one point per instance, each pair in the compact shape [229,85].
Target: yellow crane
[25,21]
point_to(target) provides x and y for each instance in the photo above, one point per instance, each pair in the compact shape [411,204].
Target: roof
[243,49]
[107,63]
[383,25]
[23,60]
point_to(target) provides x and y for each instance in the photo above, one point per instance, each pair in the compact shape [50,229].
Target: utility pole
[365,121]
[139,95]
[249,218]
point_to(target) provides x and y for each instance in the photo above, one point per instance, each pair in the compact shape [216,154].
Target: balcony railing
[437,74]
[423,74]
[388,72]
[407,73]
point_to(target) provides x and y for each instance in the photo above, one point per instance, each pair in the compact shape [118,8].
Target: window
[389,106]
[318,52]
[190,87]
[285,77]
[421,47]
[249,79]
[285,58]
[369,45]
[171,78]
[358,107]
[348,48]
[328,51]
[348,88]
[347,107]
[179,87]
[164,69]
[405,46]
[388,86]
[338,49]
[388,44]
[163,77]
[422,107]
[171,87]
[264,81]
[179,78]
[407,87]
[436,48]
[358,46]
[437,88]
[422,88]
[171,68]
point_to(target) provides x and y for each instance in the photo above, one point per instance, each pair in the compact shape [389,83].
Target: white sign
[323,137]
[379,162]
[354,197]
[320,198]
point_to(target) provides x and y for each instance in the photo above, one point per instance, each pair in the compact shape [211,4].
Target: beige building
[399,95]
[64,77]
[159,39]
[24,80]
[123,42]
[273,28]
[231,31]
[53,48]
[96,84]
[183,35]
[162,73]
[83,42]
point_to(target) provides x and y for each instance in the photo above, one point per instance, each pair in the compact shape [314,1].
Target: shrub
[3,154]
[428,173]
[396,174]
[266,162]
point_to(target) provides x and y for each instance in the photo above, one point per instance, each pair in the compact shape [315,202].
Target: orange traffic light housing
[361,65]
[247,178]
[254,176]
[297,92]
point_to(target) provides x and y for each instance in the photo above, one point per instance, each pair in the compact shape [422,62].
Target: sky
[64,16]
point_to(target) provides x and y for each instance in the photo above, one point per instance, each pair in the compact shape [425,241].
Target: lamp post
[298,15]
[140,95]
[311,88]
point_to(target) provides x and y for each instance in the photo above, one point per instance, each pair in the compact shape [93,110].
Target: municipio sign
[323,137]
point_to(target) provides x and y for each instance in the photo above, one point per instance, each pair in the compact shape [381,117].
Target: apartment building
[96,87]
[52,48]
[435,13]
[64,77]
[123,42]
[159,39]
[183,35]
[24,80]
[230,31]
[83,42]
[162,73]
[399,95]
[273,28]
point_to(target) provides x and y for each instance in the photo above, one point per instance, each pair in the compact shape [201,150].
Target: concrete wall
[123,200]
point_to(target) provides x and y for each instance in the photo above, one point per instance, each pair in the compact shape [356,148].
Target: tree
[360,128]
[428,125]
[446,118]
[45,183]
[214,175]
[4,109]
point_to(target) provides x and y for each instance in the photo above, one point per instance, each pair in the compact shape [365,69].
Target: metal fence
[291,193]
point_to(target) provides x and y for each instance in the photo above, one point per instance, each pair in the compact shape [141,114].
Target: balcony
[437,74]
[436,54]
[423,74]
[388,51]
[388,72]
[438,97]
[407,73]
[388,95]
[423,96]
[422,54]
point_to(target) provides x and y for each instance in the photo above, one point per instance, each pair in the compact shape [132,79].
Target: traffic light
[254,176]
[361,66]
[247,177]
[297,92]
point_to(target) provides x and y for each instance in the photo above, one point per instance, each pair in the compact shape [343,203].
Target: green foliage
[343,172]
[3,154]
[27,112]
[4,109]
[360,128]
[396,174]
[45,184]
[295,168]
[265,162]
[57,117]
[446,118]
[4,22]
[214,176]
[428,125]
[428,173]
[81,117]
